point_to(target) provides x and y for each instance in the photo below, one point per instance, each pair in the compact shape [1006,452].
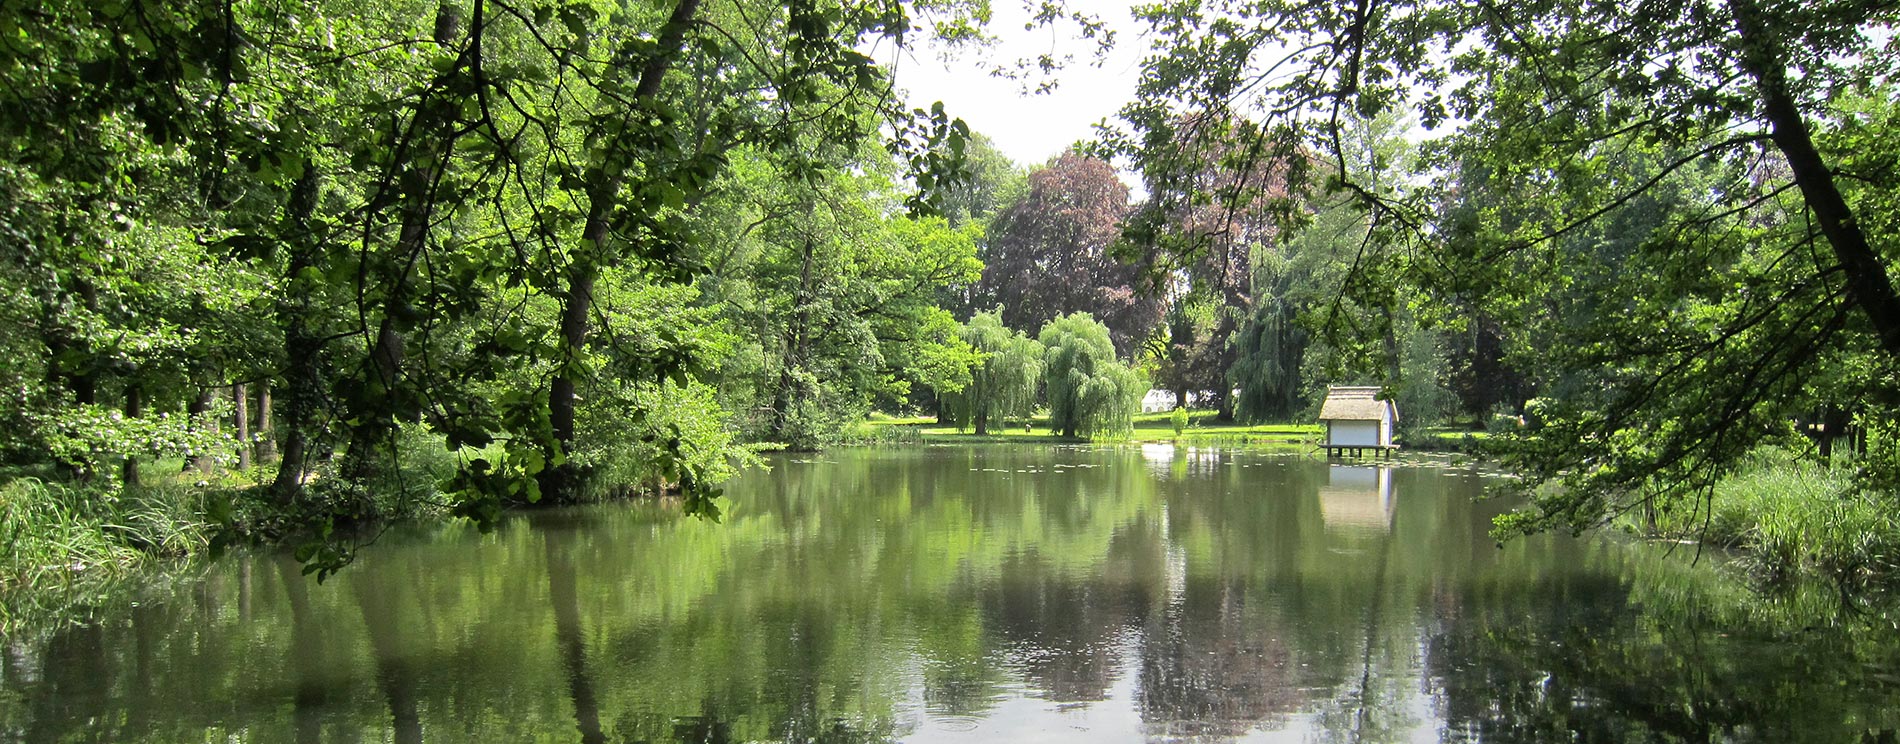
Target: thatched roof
[1345,403]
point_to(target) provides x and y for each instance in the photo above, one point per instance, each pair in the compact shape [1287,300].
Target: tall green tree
[1091,393]
[834,299]
[1003,383]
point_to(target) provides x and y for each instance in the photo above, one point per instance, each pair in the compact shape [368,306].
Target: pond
[938,594]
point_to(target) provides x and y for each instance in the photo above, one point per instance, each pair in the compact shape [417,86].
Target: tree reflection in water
[973,594]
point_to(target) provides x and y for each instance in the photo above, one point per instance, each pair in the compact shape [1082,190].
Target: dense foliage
[1001,386]
[1090,391]
[347,237]
[1670,222]
[462,254]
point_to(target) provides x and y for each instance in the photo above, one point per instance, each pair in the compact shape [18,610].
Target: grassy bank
[1794,515]
[63,545]
[67,545]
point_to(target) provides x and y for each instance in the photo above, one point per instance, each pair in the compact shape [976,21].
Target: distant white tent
[1162,401]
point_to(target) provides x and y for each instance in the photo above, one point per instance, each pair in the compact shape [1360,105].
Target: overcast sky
[1030,128]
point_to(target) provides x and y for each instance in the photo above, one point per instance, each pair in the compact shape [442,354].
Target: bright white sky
[1031,128]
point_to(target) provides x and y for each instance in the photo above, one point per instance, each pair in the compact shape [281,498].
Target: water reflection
[969,594]
[1357,498]
[565,601]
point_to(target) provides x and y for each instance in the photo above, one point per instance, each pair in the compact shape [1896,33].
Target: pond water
[1051,594]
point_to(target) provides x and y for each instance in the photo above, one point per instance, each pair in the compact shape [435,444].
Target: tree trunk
[982,423]
[198,411]
[266,447]
[134,409]
[375,430]
[414,189]
[85,382]
[563,398]
[304,398]
[796,342]
[557,482]
[241,395]
[1868,285]
[303,375]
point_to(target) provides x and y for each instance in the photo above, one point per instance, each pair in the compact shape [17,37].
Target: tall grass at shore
[1794,514]
[51,530]
[65,545]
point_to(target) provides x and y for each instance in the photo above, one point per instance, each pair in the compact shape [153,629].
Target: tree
[1003,383]
[993,183]
[1091,393]
[832,297]
[1048,254]
[1551,103]
[441,231]
[1217,197]
[1186,357]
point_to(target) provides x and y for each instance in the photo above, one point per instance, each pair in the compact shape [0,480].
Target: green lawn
[1149,427]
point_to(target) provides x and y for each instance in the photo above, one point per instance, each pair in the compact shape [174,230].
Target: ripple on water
[956,723]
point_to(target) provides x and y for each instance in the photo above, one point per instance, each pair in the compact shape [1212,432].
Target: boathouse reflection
[1357,498]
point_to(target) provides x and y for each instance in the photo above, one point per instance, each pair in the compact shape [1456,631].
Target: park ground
[1203,428]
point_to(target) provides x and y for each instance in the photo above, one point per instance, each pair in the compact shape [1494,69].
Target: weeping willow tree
[1295,287]
[1004,383]
[1266,367]
[1091,393]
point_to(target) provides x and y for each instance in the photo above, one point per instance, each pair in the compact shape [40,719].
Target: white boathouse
[1357,421]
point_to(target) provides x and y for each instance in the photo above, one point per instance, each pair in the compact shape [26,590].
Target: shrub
[647,436]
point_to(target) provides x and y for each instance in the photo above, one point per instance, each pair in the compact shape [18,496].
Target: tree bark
[982,423]
[241,395]
[558,482]
[85,382]
[1868,285]
[375,429]
[134,409]
[414,187]
[198,411]
[266,447]
[796,341]
[303,375]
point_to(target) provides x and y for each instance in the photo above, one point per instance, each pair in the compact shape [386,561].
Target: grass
[1149,427]
[1795,515]
[64,545]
